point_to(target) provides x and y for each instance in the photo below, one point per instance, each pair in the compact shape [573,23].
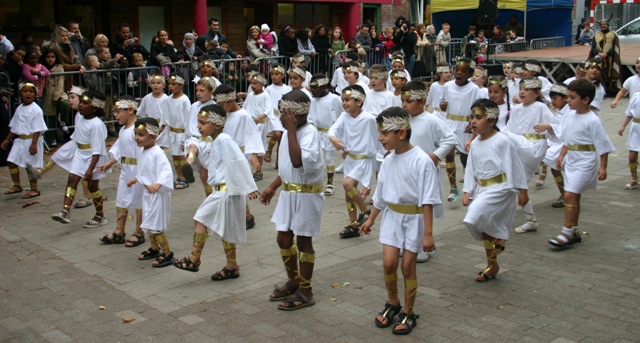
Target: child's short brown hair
[584,88]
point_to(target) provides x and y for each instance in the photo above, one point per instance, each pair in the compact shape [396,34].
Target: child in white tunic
[125,151]
[398,79]
[352,75]
[276,90]
[89,136]
[397,64]
[527,119]
[593,74]
[324,111]
[494,179]
[429,133]
[407,194]
[354,135]
[584,140]
[457,97]
[27,126]
[479,78]
[154,174]
[196,145]
[633,142]
[258,104]
[221,212]
[152,103]
[498,89]
[242,129]
[299,209]
[631,85]
[533,68]
[297,79]
[443,75]
[558,94]
[175,116]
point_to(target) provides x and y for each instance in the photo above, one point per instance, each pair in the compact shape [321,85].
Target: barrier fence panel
[505,48]
[454,51]
[227,71]
[545,43]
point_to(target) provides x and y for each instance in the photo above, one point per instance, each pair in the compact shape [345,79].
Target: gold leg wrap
[97,199]
[329,179]
[85,183]
[570,207]
[307,258]
[153,240]
[411,285]
[304,283]
[352,193]
[331,169]
[13,171]
[96,194]
[488,245]
[286,254]
[392,289]
[70,193]
[633,167]
[179,163]
[163,242]
[558,179]
[192,156]
[161,238]
[351,206]
[201,238]
[66,208]
[33,184]
[122,210]
[391,277]
[231,247]
[450,165]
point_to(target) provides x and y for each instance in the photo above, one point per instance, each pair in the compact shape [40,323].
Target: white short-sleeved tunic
[26,121]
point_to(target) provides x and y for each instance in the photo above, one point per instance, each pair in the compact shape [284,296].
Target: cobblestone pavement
[55,277]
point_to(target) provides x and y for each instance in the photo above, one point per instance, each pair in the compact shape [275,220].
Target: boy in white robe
[354,135]
[299,209]
[174,118]
[429,133]
[27,126]
[633,142]
[593,74]
[526,119]
[125,151]
[493,180]
[154,174]
[533,68]
[276,90]
[443,75]
[585,142]
[89,135]
[352,75]
[457,97]
[258,104]
[337,81]
[397,64]
[196,145]
[325,109]
[221,212]
[151,104]
[407,194]
[558,94]
[631,85]
[243,130]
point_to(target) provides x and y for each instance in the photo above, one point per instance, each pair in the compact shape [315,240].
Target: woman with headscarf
[190,52]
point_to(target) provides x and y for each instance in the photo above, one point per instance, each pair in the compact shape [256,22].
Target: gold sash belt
[302,188]
[492,181]
[406,209]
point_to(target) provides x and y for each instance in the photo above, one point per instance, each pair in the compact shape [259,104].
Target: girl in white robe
[258,104]
[494,179]
[152,103]
[593,74]
[443,75]
[524,120]
[221,212]
[633,142]
[27,126]
[558,96]
[155,175]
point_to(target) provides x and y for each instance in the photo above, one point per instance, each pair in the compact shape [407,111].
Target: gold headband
[77,90]
[159,77]
[97,103]
[297,108]
[491,112]
[298,59]
[207,63]
[506,65]
[125,104]
[151,129]
[209,80]
[279,69]
[352,93]
[258,77]
[534,83]
[518,70]
[394,123]
[416,94]
[177,79]
[378,75]
[350,68]
[299,71]
[593,63]
[443,69]
[319,82]
[399,60]
[560,89]
[213,117]
[28,84]
[224,97]
[399,73]
[502,83]
[471,64]
[480,73]
[532,67]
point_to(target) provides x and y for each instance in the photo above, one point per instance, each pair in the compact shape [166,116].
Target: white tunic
[409,178]
[276,93]
[154,167]
[390,82]
[514,89]
[396,101]
[64,155]
[633,110]
[223,212]
[460,99]
[359,137]
[126,147]
[493,207]
[521,121]
[434,137]
[151,106]
[257,105]
[484,93]
[298,211]
[94,133]
[243,130]
[434,98]
[175,115]
[323,113]
[632,85]
[504,113]
[596,103]
[555,146]
[192,135]
[569,80]
[27,120]
[546,88]
[581,167]
[377,102]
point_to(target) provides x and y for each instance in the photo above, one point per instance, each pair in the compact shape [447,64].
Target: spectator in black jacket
[126,44]
[214,34]
[162,48]
[288,44]
[406,40]
[321,43]
[79,44]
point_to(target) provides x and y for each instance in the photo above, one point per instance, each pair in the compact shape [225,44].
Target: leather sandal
[225,274]
[115,238]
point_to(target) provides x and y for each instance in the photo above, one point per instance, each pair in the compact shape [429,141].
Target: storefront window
[26,13]
[304,14]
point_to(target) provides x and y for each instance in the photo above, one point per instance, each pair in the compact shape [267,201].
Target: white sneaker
[423,257]
[526,227]
[339,169]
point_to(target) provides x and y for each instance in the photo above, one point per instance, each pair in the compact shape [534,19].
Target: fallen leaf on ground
[333,299]
[27,204]
[338,285]
[500,307]
[103,308]
[128,320]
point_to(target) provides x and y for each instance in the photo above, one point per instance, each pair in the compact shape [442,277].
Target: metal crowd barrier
[227,71]
[546,43]
[505,48]
[454,50]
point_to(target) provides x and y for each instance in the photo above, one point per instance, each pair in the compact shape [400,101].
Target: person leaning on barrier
[79,44]
[126,44]
[214,34]
[68,59]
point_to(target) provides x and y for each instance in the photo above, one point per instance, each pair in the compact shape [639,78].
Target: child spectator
[56,104]
[586,35]
[35,73]
[337,40]
[407,192]
[138,79]
[470,43]
[355,48]
[265,40]
[111,82]
[126,152]
[299,209]
[585,142]
[27,126]
[442,42]
[386,41]
[154,174]
[221,211]
[493,181]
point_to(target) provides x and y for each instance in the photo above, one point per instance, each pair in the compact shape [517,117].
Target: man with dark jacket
[126,45]
[78,43]
[406,40]
[214,34]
